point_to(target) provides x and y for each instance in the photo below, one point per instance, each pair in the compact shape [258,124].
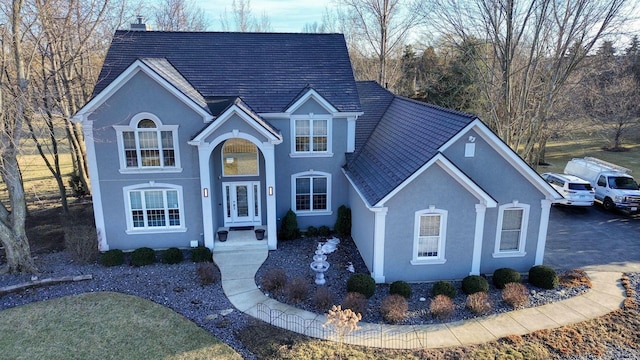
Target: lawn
[104,325]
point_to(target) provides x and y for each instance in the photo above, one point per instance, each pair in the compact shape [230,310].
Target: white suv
[576,192]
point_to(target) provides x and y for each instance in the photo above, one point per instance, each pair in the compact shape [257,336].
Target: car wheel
[608,204]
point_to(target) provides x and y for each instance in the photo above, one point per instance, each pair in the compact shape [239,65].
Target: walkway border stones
[238,269]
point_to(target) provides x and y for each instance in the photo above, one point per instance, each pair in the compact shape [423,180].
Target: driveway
[593,239]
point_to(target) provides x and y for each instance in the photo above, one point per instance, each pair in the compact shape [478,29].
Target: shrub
[342,227]
[143,256]
[112,257]
[441,307]
[323,298]
[324,231]
[356,302]
[394,308]
[77,186]
[479,303]
[274,280]
[201,254]
[81,242]
[297,289]
[400,288]
[474,283]
[208,273]
[172,256]
[503,276]
[543,276]
[312,231]
[361,283]
[515,294]
[289,228]
[444,288]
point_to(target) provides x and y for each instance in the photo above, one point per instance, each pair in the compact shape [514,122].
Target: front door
[241,203]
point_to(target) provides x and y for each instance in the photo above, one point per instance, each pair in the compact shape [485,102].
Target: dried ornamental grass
[342,321]
[274,279]
[297,290]
[394,308]
[516,295]
[323,298]
[356,302]
[479,303]
[441,307]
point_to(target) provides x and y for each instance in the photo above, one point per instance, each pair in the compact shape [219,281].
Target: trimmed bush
[289,228]
[474,283]
[297,290]
[401,288]
[342,227]
[361,283]
[274,280]
[444,288]
[503,276]
[172,256]
[441,307]
[208,273]
[356,302]
[515,294]
[324,231]
[112,257]
[312,231]
[394,308]
[479,303]
[543,276]
[201,254]
[323,299]
[143,256]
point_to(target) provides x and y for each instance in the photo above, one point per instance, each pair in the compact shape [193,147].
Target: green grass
[104,325]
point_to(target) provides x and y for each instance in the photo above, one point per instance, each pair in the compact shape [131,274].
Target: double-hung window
[311,193]
[147,145]
[429,236]
[511,231]
[154,207]
[311,135]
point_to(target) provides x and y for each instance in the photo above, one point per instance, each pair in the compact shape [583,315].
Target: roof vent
[140,25]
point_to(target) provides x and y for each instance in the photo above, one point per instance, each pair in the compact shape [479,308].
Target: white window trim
[311,173]
[133,126]
[440,259]
[497,253]
[312,117]
[222,159]
[153,230]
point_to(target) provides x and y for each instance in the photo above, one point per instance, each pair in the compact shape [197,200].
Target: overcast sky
[285,15]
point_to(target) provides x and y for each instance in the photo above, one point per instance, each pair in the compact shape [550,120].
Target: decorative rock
[423,299]
[211,317]
[226,312]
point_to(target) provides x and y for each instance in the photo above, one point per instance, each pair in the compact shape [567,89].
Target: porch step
[240,240]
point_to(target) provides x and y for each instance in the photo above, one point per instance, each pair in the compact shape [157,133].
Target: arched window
[239,158]
[147,144]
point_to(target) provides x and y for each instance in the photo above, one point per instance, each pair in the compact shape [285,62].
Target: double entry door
[241,202]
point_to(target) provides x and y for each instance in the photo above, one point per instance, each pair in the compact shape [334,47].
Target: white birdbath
[319,266]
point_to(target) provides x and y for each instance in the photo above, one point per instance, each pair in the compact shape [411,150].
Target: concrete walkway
[238,269]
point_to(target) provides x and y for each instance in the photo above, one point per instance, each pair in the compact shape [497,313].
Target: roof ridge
[438,107]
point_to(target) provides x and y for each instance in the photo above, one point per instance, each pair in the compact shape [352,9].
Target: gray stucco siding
[142,94]
[434,187]
[505,184]
[362,227]
[310,107]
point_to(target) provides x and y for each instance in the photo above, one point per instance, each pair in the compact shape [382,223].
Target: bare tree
[179,15]
[381,27]
[13,110]
[244,19]
[527,50]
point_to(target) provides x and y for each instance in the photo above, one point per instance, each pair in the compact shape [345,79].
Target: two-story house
[188,133]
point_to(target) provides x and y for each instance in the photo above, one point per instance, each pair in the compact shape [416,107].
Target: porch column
[380,214]
[96,194]
[268,151]
[481,210]
[542,231]
[204,153]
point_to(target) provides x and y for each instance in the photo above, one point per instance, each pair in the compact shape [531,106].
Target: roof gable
[161,72]
[268,70]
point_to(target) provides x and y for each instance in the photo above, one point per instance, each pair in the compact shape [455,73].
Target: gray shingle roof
[407,135]
[164,68]
[267,70]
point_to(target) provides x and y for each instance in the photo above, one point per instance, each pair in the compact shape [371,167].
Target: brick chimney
[140,25]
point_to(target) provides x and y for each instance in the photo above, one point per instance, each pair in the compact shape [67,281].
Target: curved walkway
[238,269]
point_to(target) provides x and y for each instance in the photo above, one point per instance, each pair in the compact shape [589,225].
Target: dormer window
[147,145]
[311,135]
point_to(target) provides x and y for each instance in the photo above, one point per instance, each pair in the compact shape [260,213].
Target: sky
[285,15]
